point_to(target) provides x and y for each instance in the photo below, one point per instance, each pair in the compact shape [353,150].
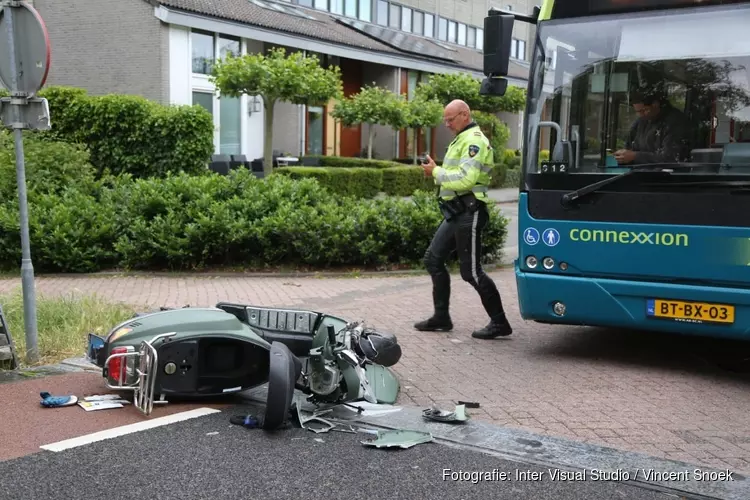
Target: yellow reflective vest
[467,165]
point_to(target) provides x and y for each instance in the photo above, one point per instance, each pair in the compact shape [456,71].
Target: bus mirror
[498,30]
[493,86]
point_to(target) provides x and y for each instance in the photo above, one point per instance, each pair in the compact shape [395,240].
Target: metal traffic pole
[24,73]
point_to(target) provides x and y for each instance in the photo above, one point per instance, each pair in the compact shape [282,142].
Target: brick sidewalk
[635,391]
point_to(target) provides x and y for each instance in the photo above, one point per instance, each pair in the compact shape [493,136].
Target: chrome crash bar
[143,389]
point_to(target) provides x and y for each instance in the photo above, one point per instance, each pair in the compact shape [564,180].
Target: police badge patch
[473,150]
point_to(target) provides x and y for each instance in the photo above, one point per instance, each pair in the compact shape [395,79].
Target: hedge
[183,222]
[364,182]
[512,178]
[131,134]
[357,182]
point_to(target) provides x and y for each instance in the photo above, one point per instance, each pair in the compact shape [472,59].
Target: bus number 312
[554,167]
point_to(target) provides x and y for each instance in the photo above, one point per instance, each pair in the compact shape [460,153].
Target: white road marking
[127,429]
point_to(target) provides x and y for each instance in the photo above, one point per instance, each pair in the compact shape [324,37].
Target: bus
[634,204]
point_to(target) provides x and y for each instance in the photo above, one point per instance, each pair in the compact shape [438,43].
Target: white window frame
[201,83]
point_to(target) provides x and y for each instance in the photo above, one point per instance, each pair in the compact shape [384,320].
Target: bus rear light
[531,261]
[548,262]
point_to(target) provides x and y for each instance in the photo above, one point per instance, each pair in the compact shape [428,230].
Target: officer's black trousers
[463,234]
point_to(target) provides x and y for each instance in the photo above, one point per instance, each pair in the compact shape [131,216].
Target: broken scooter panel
[458,415]
[283,372]
[398,439]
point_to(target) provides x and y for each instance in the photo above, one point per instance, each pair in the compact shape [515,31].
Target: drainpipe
[302,123]
[398,91]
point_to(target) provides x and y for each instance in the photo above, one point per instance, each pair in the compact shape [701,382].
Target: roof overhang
[207,23]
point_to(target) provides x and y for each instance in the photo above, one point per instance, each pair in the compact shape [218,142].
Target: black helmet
[379,348]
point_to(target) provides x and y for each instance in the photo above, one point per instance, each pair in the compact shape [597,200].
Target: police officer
[659,133]
[463,182]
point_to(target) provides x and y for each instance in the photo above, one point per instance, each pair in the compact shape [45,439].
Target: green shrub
[498,175]
[346,162]
[512,178]
[356,182]
[403,181]
[508,156]
[49,165]
[131,134]
[192,222]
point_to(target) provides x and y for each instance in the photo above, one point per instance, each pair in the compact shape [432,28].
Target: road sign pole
[27,268]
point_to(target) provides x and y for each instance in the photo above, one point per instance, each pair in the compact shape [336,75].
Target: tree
[372,105]
[422,113]
[446,87]
[297,79]
[450,86]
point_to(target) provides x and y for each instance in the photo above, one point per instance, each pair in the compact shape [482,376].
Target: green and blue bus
[653,242]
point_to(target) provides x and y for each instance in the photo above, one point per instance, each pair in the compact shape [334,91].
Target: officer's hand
[624,156]
[428,166]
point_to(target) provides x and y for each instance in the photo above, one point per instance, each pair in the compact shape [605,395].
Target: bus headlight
[531,261]
[548,262]
[559,308]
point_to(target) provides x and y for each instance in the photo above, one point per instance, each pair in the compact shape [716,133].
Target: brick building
[162,50]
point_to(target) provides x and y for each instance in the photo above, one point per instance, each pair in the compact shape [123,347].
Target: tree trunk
[369,141]
[268,138]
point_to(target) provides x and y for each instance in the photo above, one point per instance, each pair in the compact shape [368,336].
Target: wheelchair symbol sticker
[531,236]
[551,237]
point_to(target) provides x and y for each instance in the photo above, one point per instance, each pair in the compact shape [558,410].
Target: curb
[543,450]
[501,264]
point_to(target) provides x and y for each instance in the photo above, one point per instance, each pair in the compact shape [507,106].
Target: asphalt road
[208,457]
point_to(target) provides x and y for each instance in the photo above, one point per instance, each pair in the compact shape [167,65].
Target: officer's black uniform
[465,217]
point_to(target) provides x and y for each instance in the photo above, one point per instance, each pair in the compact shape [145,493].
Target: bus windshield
[650,88]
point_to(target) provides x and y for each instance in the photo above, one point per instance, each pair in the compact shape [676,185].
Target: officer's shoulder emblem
[473,150]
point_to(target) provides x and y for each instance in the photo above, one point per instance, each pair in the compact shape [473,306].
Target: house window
[203,51]
[518,49]
[321,4]
[480,39]
[471,37]
[442,28]
[418,22]
[461,34]
[204,100]
[315,131]
[229,125]
[394,16]
[365,10]
[337,7]
[228,45]
[406,19]
[305,3]
[452,31]
[382,14]
[429,25]
[350,8]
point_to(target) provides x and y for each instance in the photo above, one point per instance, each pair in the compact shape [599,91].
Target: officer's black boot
[498,327]
[441,293]
[438,322]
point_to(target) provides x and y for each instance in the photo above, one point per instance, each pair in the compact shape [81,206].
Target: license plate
[690,312]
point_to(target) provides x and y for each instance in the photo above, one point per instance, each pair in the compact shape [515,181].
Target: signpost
[24,65]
